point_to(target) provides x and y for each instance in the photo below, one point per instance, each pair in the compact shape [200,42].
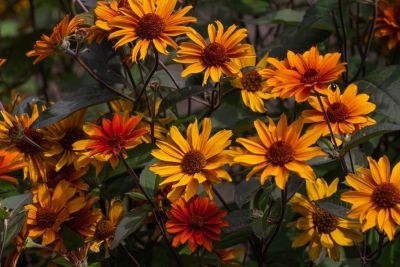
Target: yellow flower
[347,112]
[49,44]
[63,135]
[17,135]
[215,57]
[252,83]
[51,210]
[318,227]
[105,12]
[148,23]
[376,196]
[104,229]
[279,149]
[387,22]
[197,160]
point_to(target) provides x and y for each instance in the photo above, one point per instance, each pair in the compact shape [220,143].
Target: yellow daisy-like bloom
[319,228]
[215,57]
[347,112]
[52,208]
[253,83]
[106,11]
[376,196]
[388,23]
[63,135]
[104,229]
[197,160]
[49,44]
[17,135]
[301,74]
[148,23]
[278,150]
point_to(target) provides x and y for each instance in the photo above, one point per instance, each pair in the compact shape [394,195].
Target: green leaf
[237,219]
[13,227]
[329,206]
[368,133]
[79,99]
[149,180]
[249,6]
[16,203]
[283,16]
[72,240]
[319,16]
[129,224]
[245,191]
[234,238]
[178,95]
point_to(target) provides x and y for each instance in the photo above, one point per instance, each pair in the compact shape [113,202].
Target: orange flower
[2,61]
[111,138]
[105,12]
[49,44]
[300,74]
[198,222]
[388,23]
[9,162]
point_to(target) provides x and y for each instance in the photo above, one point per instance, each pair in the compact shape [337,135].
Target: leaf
[332,208]
[16,203]
[283,16]
[149,180]
[245,191]
[129,224]
[14,225]
[319,16]
[180,94]
[72,240]
[79,99]
[368,133]
[234,238]
[237,219]
[249,6]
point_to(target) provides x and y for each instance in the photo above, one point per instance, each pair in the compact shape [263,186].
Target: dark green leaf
[333,208]
[283,16]
[234,238]
[129,224]
[14,225]
[180,94]
[249,6]
[16,203]
[245,191]
[72,240]
[237,219]
[149,180]
[319,16]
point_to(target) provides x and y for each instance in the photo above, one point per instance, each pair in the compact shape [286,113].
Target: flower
[198,159]
[52,209]
[230,256]
[2,61]
[17,135]
[279,149]
[19,243]
[197,222]
[48,45]
[376,196]
[347,112]
[9,162]
[148,23]
[105,12]
[253,83]
[215,57]
[318,227]
[68,173]
[301,74]
[112,138]
[103,230]
[388,23]
[63,135]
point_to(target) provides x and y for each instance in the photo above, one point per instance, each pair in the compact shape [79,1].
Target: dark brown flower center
[116,142]
[26,143]
[45,218]
[310,76]
[214,54]
[150,26]
[252,80]
[386,195]
[71,136]
[63,174]
[337,112]
[196,222]
[193,162]
[280,153]
[324,221]
[104,230]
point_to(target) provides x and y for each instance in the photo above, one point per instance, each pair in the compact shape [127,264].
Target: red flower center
[45,218]
[116,142]
[324,221]
[71,136]
[193,162]
[104,230]
[150,26]
[337,112]
[214,54]
[386,195]
[196,222]
[310,76]
[252,81]
[280,153]
[26,144]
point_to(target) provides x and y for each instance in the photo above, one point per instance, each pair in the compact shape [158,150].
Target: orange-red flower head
[197,222]
[388,22]
[9,162]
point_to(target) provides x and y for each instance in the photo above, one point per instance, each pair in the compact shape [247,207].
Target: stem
[344,46]
[153,114]
[82,6]
[155,67]
[377,253]
[135,261]
[5,228]
[169,74]
[221,199]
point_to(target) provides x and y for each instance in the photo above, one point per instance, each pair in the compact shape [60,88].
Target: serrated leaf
[79,99]
[129,224]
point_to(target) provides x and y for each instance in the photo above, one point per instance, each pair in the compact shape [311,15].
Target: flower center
[150,26]
[324,221]
[386,195]
[193,162]
[310,76]
[280,153]
[45,218]
[71,136]
[337,112]
[252,80]
[116,141]
[104,230]
[214,54]
[63,174]
[196,222]
[26,144]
